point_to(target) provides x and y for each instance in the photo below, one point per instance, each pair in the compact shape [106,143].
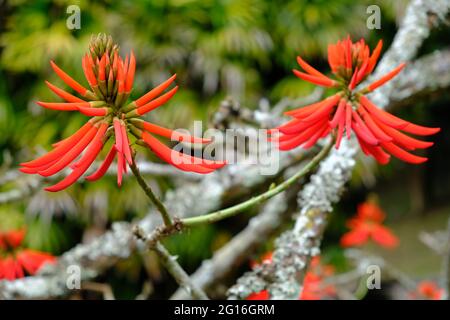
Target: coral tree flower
[349,110]
[313,285]
[368,225]
[427,290]
[16,262]
[111,80]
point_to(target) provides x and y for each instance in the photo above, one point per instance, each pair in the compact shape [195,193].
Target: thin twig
[234,210]
[153,198]
[172,266]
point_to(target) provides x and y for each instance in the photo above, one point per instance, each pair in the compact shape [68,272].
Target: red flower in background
[262,295]
[378,132]
[111,80]
[368,225]
[427,290]
[16,262]
[313,286]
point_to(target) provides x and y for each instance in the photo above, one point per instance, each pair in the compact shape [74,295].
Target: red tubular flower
[427,290]
[110,80]
[313,286]
[378,132]
[16,262]
[368,224]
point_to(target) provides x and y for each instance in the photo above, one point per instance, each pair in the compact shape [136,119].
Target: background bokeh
[243,49]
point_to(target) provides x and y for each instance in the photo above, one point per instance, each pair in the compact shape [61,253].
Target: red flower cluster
[368,224]
[111,80]
[313,286]
[16,262]
[378,132]
[427,290]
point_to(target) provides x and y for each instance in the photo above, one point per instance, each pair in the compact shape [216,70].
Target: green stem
[153,198]
[234,210]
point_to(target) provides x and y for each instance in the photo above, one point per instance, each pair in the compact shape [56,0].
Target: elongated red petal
[99,136]
[58,143]
[93,112]
[305,111]
[378,133]
[338,114]
[314,79]
[63,106]
[33,170]
[155,91]
[77,173]
[120,76]
[63,94]
[70,155]
[126,144]
[174,135]
[104,166]
[295,140]
[362,130]
[179,160]
[157,102]
[311,70]
[118,134]
[61,149]
[376,151]
[420,130]
[382,115]
[348,120]
[353,82]
[316,136]
[88,72]
[362,72]
[297,126]
[335,58]
[130,73]
[324,110]
[385,78]
[120,167]
[340,132]
[402,154]
[396,122]
[68,80]
[101,69]
[374,57]
[360,133]
[403,140]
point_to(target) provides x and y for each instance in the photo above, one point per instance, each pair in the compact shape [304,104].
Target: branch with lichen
[283,275]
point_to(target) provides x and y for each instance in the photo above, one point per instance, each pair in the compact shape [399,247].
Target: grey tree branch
[423,77]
